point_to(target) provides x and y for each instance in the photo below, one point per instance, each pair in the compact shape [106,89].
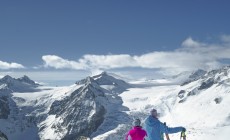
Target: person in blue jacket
[155,128]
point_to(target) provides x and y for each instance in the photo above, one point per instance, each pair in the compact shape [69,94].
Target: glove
[183,129]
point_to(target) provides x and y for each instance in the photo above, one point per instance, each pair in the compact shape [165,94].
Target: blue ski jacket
[155,128]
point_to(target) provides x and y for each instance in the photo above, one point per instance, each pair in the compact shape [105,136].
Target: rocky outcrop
[26,79]
[82,112]
[206,84]
[116,85]
[205,80]
[23,84]
[4,107]
[3,136]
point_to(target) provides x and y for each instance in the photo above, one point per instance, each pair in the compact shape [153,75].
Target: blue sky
[126,36]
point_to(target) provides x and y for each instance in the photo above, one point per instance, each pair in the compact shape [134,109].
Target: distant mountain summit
[9,85]
[23,84]
[194,76]
[104,79]
[26,79]
[202,80]
[197,74]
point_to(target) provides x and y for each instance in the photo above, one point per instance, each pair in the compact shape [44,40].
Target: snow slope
[29,110]
[203,109]
[200,104]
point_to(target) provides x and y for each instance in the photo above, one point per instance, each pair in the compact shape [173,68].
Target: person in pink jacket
[136,133]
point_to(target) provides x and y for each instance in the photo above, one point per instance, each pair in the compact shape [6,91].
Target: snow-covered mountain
[79,114]
[194,76]
[26,79]
[109,82]
[3,136]
[23,84]
[103,107]
[10,116]
[200,105]
[85,109]
[9,85]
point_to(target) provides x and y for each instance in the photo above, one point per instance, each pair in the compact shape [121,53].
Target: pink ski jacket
[137,133]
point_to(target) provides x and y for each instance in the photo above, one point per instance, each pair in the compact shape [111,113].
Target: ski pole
[166,134]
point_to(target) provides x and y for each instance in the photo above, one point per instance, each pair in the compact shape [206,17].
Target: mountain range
[102,107]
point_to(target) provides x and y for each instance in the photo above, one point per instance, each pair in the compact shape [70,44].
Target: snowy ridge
[78,114]
[200,105]
[108,81]
[26,79]
[87,111]
[23,84]
[3,136]
[103,107]
[194,76]
[11,118]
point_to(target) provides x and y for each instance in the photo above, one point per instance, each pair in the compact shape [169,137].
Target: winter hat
[153,112]
[137,122]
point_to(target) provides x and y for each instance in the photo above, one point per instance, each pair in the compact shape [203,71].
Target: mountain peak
[103,74]
[23,84]
[198,73]
[7,79]
[87,80]
[104,79]
[27,80]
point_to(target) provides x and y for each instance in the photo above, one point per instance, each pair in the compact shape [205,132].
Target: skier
[136,133]
[155,128]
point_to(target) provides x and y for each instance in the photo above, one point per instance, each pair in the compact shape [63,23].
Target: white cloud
[189,42]
[60,63]
[109,61]
[191,56]
[225,38]
[6,65]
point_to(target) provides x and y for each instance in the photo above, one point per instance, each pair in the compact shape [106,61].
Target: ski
[182,135]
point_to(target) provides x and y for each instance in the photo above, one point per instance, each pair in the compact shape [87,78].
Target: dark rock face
[193,92]
[218,100]
[27,80]
[86,128]
[181,94]
[82,112]
[4,107]
[3,136]
[206,84]
[182,100]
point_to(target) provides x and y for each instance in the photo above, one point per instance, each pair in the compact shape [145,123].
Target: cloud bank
[6,65]
[190,56]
